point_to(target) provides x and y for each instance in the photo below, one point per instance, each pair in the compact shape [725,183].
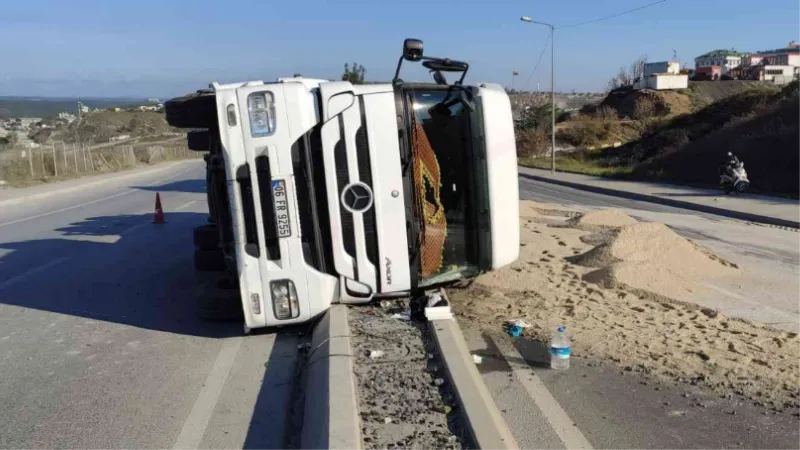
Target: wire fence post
[91,159]
[30,161]
[64,152]
[41,153]
[55,164]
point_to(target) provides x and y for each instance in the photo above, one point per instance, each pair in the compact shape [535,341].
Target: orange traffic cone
[158,219]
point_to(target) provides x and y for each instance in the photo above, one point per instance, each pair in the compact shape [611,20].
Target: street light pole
[527,19]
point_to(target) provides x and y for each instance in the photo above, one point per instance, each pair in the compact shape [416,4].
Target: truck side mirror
[412,49]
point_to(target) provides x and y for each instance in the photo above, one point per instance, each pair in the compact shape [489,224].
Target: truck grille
[365,173]
[312,201]
[346,152]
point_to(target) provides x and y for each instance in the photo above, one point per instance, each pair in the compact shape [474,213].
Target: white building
[673,67]
[662,76]
[782,74]
[725,59]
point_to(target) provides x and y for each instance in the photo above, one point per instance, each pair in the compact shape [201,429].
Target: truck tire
[209,260]
[206,237]
[215,301]
[196,110]
[199,140]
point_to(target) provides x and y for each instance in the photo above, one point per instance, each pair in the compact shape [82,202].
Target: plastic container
[560,349]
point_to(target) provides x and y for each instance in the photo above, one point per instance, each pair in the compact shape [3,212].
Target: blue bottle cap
[561,329]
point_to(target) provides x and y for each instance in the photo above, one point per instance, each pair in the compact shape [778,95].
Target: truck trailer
[323,192]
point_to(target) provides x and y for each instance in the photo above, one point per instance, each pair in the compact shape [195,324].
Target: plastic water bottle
[560,349]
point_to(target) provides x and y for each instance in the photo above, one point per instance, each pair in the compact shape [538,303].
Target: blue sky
[168,47]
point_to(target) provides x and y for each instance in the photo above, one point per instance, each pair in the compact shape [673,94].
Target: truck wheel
[196,110]
[198,140]
[209,260]
[217,303]
[206,237]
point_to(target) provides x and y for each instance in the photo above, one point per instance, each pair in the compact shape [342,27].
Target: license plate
[281,208]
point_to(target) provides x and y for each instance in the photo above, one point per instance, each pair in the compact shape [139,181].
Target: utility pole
[527,19]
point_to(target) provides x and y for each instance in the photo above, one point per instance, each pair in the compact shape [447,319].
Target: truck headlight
[261,109]
[285,304]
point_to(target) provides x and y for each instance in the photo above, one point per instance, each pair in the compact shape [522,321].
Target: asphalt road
[99,345]
[596,403]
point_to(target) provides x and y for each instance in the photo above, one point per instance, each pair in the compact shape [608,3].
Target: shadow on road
[120,269]
[197,186]
[535,354]
[275,417]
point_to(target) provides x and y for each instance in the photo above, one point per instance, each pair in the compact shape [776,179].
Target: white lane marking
[570,435]
[195,425]
[33,271]
[185,205]
[93,201]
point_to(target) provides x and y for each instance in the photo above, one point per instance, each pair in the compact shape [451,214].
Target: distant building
[778,74]
[787,56]
[661,76]
[724,59]
[67,117]
[751,60]
[672,67]
[708,73]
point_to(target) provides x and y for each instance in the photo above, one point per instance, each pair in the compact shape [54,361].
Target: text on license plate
[281,208]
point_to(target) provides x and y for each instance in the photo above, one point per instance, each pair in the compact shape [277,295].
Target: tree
[40,136]
[537,117]
[626,77]
[355,74]
[9,140]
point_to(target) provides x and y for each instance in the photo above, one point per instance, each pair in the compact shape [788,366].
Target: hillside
[48,107]
[758,125]
[699,95]
[101,126]
[685,135]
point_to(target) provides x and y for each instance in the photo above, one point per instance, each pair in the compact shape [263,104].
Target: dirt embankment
[760,127]
[616,285]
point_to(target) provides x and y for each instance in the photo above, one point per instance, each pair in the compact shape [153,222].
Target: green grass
[576,165]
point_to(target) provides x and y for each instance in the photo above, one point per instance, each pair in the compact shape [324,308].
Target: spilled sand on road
[620,288]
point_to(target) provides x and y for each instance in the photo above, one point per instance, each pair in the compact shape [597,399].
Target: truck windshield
[443,178]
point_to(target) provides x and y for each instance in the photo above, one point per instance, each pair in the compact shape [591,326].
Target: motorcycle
[734,179]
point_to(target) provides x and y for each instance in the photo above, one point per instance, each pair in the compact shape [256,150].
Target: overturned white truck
[322,192]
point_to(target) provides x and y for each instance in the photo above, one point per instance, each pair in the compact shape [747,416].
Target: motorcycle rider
[731,163]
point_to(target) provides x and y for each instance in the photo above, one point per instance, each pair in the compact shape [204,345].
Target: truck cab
[328,192]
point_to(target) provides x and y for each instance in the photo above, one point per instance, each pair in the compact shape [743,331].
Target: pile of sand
[652,258]
[628,316]
[603,218]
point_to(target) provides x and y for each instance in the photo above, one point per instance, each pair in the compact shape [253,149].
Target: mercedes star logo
[357,197]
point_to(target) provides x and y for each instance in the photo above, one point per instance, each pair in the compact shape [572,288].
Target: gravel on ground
[400,400]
